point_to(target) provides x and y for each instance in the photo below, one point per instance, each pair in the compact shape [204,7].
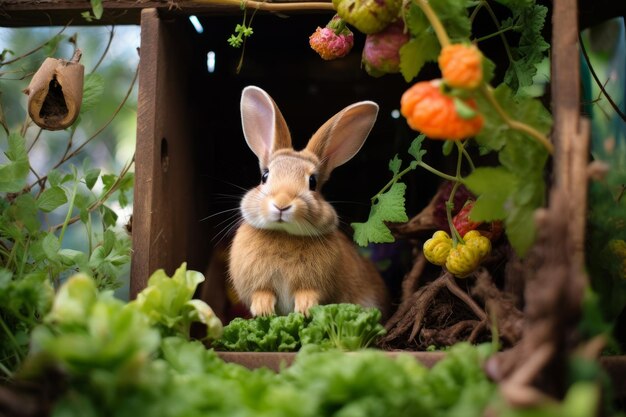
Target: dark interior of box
[308,91]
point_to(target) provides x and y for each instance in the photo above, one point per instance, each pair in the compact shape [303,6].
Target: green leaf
[92,91]
[202,313]
[122,199]
[520,229]
[494,187]
[51,199]
[489,68]
[87,16]
[415,53]
[51,246]
[516,4]
[71,257]
[463,109]
[91,176]
[54,177]
[109,217]
[389,207]
[14,173]
[395,164]
[96,6]
[108,240]
[53,44]
[495,133]
[24,212]
[83,201]
[523,156]
[108,180]
[528,21]
[372,231]
[447,147]
[415,150]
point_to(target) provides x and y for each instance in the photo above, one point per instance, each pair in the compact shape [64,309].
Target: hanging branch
[597,80]
[271,7]
[11,61]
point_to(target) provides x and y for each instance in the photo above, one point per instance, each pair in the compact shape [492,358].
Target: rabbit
[288,254]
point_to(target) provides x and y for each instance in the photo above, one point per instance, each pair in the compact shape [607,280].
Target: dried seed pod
[55,93]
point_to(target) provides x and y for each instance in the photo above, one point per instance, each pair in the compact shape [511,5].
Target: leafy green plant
[331,326]
[169,303]
[36,212]
[115,360]
[526,21]
[343,326]
[508,192]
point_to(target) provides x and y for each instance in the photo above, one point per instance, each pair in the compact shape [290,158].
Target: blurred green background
[111,52]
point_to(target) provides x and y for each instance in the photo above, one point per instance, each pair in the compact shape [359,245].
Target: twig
[597,80]
[272,7]
[432,17]
[106,50]
[36,49]
[115,113]
[507,47]
[30,148]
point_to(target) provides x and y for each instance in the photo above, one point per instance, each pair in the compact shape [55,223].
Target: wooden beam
[18,13]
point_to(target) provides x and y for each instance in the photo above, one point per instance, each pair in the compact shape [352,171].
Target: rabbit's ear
[341,137]
[264,127]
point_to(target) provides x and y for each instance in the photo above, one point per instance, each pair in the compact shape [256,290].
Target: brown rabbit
[287,254]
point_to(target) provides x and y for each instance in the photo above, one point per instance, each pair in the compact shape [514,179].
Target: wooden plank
[146,162]
[277,361]
[571,132]
[565,86]
[165,219]
[16,13]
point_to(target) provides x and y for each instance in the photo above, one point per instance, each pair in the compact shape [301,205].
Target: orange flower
[429,111]
[461,65]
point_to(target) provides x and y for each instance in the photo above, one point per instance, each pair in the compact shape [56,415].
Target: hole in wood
[54,109]
[165,158]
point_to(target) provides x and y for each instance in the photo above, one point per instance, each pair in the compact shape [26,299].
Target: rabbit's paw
[305,299]
[262,303]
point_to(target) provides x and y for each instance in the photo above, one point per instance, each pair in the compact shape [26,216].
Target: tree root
[425,318]
[410,283]
[413,312]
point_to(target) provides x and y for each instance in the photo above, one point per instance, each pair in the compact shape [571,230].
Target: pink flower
[333,41]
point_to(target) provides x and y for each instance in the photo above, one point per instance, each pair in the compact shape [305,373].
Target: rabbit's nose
[281,209]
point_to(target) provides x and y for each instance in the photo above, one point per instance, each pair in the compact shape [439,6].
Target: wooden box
[192,162]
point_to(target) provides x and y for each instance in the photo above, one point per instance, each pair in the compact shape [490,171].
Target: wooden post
[571,135]
[164,217]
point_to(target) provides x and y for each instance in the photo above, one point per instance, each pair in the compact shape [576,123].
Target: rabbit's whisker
[219,213]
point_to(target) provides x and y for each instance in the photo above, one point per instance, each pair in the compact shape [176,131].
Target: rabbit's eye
[312,182]
[266,173]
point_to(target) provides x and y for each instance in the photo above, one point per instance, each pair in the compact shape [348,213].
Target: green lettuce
[343,326]
[263,334]
[340,326]
[168,303]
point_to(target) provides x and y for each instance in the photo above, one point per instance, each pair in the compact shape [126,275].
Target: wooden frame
[164,203]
